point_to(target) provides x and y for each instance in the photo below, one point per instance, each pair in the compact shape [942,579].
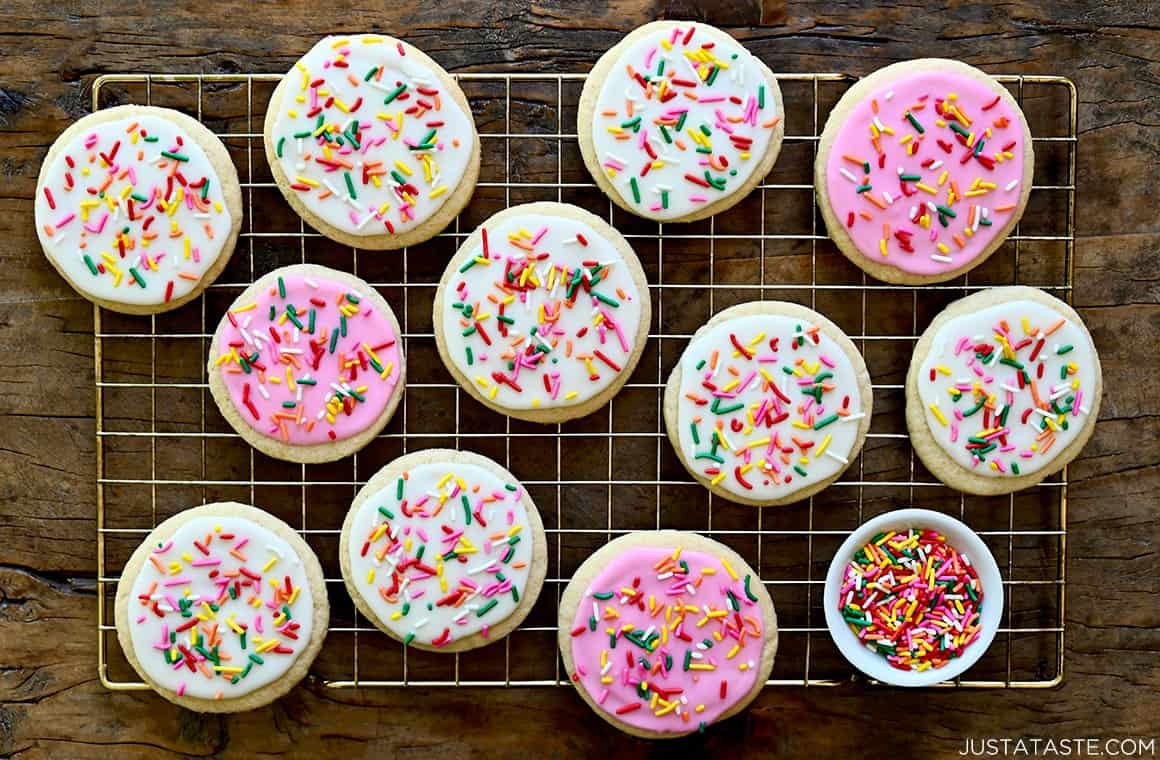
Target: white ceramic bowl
[958,535]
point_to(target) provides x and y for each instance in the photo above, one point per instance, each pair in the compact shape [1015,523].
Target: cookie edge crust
[586,110]
[442,217]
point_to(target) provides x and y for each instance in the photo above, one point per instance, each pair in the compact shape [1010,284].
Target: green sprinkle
[696,436]
[408,639]
[605,299]
[761,97]
[466,508]
[394,94]
[137,276]
[350,185]
[91,265]
[914,122]
[635,190]
[174,156]
[386,513]
[1064,349]
[333,340]
[486,608]
[827,421]
[752,597]
[281,142]
[800,471]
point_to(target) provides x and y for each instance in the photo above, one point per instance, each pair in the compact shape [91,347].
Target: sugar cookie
[138,208]
[1003,390]
[372,142]
[923,169]
[769,403]
[666,632]
[222,608]
[307,364]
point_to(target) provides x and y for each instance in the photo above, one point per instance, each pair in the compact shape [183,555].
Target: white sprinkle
[846,173]
[854,417]
[943,259]
[889,96]
[1011,185]
[265,393]
[936,165]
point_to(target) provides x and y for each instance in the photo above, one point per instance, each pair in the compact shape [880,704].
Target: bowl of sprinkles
[913,597]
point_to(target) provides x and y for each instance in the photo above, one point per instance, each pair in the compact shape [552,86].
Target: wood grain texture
[51,703]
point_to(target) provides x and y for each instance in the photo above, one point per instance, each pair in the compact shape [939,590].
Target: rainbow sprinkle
[912,598]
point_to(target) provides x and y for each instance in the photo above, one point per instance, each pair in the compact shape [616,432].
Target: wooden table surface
[51,701]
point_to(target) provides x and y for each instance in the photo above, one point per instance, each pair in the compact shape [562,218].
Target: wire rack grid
[161,444]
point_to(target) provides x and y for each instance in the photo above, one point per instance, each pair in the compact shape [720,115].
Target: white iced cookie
[543,312]
[372,142]
[444,551]
[222,608]
[138,208]
[769,403]
[1003,390]
[678,121]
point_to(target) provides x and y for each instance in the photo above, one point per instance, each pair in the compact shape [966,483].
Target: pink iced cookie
[666,632]
[924,169]
[307,364]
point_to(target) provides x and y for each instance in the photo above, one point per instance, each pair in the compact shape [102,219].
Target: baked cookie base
[428,229]
[587,110]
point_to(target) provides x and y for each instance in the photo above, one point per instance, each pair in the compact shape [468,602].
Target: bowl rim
[965,540]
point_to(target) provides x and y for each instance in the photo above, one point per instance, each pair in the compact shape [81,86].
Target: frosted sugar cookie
[222,608]
[444,550]
[372,142]
[543,312]
[923,169]
[138,208]
[307,364]
[678,121]
[1003,390]
[769,403]
[666,632]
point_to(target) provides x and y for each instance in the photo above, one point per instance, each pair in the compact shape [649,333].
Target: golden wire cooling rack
[162,446]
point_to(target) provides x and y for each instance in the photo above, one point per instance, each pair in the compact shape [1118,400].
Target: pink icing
[999,162]
[299,366]
[665,602]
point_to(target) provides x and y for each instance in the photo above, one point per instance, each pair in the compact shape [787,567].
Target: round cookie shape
[923,170]
[1003,390]
[372,142]
[678,121]
[222,608]
[769,403]
[307,364]
[138,208]
[666,632]
[543,312]
[444,551]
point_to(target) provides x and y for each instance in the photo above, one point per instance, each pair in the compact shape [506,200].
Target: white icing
[623,160]
[769,468]
[1000,382]
[435,502]
[570,377]
[386,131]
[147,628]
[95,228]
